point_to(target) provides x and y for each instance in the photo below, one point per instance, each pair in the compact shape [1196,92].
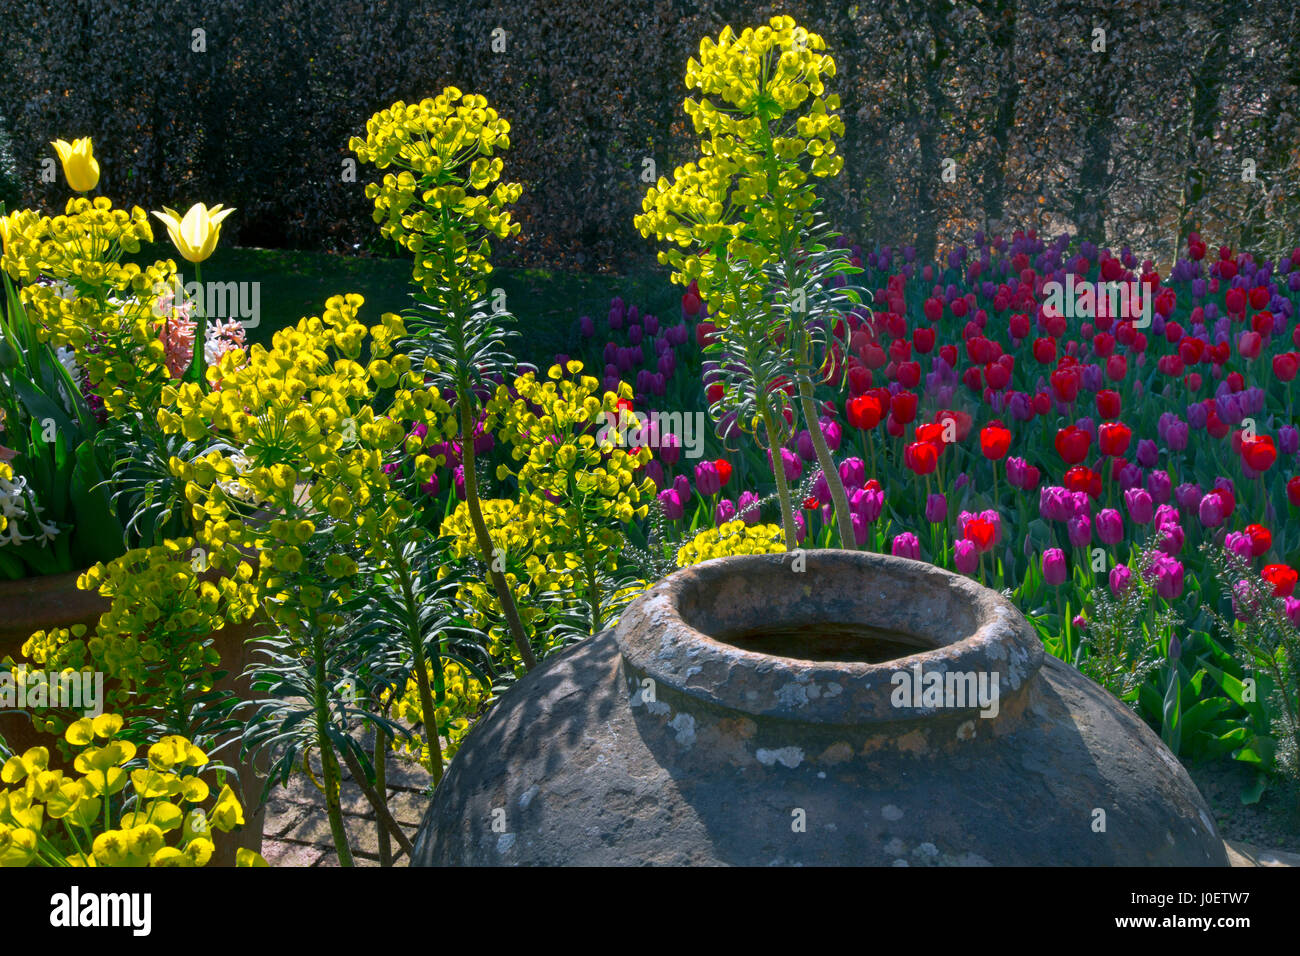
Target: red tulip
[1045,351]
[1249,344]
[921,457]
[982,532]
[1042,403]
[903,407]
[1282,577]
[949,354]
[1065,383]
[931,432]
[863,412]
[1258,297]
[1293,491]
[1286,365]
[960,420]
[714,393]
[995,440]
[1235,301]
[1072,444]
[908,374]
[997,375]
[1261,539]
[1113,438]
[923,340]
[1108,403]
[1259,452]
[1080,478]
[1116,367]
[724,470]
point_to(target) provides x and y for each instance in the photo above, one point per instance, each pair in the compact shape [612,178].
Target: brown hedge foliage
[1141,142]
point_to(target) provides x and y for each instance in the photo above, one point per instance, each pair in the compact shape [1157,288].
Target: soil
[1273,822]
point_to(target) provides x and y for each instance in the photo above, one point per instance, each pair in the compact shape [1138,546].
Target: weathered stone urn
[867,710]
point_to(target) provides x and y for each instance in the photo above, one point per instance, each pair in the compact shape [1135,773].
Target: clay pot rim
[656,641]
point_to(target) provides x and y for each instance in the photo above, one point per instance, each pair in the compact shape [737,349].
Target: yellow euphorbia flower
[195,236]
[79,163]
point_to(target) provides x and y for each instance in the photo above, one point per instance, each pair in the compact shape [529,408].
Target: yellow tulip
[79,163]
[195,236]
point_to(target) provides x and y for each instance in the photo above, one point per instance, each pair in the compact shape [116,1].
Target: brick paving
[297,829]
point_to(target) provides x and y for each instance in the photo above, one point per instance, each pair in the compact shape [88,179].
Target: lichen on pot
[867,710]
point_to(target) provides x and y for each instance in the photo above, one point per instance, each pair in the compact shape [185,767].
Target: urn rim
[672,634]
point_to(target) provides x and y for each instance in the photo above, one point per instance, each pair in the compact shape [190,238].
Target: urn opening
[826,641]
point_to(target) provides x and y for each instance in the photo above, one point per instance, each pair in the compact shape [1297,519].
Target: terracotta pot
[746,713]
[42,603]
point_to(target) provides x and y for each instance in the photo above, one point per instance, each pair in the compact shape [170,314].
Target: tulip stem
[200,331]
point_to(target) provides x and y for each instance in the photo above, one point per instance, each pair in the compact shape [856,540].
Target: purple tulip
[1239,543]
[1168,573]
[853,473]
[1293,604]
[804,442]
[747,507]
[1080,531]
[800,528]
[707,480]
[430,487]
[1121,577]
[670,448]
[790,462]
[682,485]
[859,528]
[726,511]
[965,557]
[1167,515]
[1139,504]
[821,489]
[1172,538]
[936,508]
[831,432]
[1055,503]
[868,502]
[1210,511]
[1161,486]
[1054,568]
[655,472]
[671,502]
[1110,526]
[1188,496]
[458,480]
[586,327]
[1147,453]
[906,545]
[1130,476]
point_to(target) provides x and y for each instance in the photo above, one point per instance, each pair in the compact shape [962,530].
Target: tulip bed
[1131,484]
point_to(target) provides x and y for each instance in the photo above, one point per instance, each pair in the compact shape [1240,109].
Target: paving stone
[407,806]
[408,775]
[280,853]
[281,816]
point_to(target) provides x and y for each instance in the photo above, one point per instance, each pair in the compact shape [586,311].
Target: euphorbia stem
[498,578]
[782,489]
[843,516]
[328,759]
[381,788]
[420,664]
